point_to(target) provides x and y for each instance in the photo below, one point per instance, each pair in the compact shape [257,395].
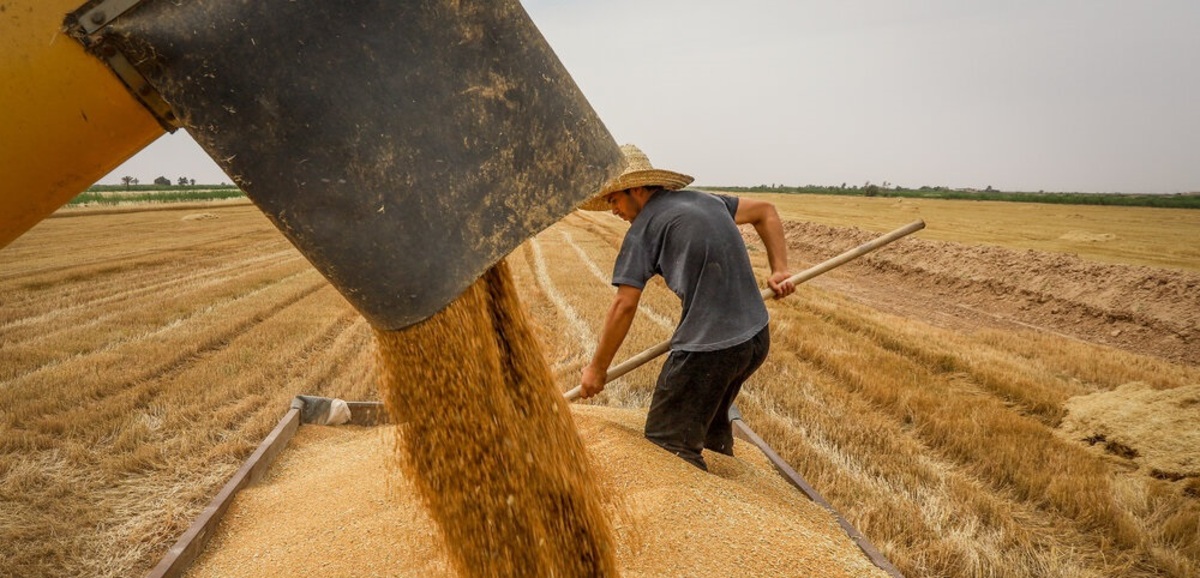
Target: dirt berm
[1146,310]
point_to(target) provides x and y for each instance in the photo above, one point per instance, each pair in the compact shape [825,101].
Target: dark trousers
[690,408]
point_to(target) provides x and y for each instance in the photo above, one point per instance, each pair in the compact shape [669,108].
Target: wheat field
[145,353]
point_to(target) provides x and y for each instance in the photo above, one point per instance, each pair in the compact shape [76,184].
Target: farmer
[691,238]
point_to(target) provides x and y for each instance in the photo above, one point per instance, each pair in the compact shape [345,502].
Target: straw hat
[638,173]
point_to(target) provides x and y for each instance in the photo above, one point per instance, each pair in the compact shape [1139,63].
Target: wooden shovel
[661,348]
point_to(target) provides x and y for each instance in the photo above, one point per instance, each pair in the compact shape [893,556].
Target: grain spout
[489,442]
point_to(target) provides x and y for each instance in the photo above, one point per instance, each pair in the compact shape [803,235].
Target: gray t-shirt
[690,238]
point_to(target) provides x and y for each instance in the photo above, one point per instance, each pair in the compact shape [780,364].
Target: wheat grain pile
[487,440]
[330,506]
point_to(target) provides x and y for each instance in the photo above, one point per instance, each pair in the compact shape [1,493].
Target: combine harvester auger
[403,147]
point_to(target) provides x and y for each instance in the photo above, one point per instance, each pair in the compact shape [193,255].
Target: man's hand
[780,285]
[592,381]
[616,326]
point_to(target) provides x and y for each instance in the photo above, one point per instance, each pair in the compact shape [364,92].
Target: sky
[1053,95]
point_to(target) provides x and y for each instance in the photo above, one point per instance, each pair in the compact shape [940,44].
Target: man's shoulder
[685,198]
[700,202]
[689,194]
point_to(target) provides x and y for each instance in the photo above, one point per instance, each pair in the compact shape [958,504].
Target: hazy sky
[1056,95]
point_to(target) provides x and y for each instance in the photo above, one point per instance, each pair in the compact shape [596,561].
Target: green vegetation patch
[118,194]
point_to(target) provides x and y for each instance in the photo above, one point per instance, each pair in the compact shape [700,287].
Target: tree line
[1175,201]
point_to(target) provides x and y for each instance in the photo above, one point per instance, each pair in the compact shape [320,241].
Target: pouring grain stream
[489,442]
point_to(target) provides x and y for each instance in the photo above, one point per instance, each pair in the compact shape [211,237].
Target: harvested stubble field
[976,401]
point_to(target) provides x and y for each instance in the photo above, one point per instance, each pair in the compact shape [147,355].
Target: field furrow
[66,309]
[340,366]
[80,332]
[1035,395]
[548,321]
[186,414]
[154,352]
[581,330]
[129,240]
[35,281]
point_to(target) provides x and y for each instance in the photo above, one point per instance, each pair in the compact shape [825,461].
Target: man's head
[628,203]
[638,174]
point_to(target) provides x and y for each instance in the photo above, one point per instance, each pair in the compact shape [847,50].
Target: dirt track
[1150,311]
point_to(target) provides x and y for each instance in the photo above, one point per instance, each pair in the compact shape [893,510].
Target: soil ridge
[1147,310]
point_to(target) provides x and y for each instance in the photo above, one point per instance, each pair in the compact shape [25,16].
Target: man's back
[691,239]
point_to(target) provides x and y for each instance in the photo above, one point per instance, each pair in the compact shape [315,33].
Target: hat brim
[668,180]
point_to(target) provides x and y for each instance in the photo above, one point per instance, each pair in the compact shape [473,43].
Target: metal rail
[743,431]
[192,542]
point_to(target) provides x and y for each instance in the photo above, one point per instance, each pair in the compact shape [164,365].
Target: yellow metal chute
[68,120]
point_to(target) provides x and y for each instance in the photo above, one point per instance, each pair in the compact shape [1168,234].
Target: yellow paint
[67,119]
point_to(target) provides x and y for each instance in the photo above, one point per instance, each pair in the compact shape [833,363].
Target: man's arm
[769,227]
[616,327]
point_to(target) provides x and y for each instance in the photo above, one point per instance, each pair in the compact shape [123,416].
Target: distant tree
[843,185]
[192,182]
[989,189]
[127,181]
[135,181]
[183,181]
[870,190]
[162,181]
